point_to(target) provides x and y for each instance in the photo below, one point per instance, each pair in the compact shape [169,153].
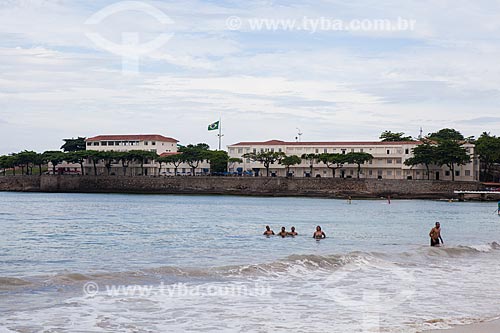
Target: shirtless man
[283,232]
[268,231]
[292,233]
[318,234]
[435,235]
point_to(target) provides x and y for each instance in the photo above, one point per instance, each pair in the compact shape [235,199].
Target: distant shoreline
[246,186]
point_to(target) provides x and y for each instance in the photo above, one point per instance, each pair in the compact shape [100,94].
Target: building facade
[159,144]
[388,160]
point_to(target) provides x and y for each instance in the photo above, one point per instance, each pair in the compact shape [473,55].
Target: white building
[156,143]
[388,161]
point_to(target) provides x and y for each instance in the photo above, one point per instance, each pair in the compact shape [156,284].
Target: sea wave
[296,264]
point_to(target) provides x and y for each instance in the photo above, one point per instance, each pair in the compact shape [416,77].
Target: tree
[26,159]
[218,161]
[193,155]
[451,154]
[108,157]
[423,154]
[311,158]
[124,158]
[73,144]
[232,161]
[358,158]
[142,156]
[446,134]
[488,149]
[388,136]
[332,161]
[175,160]
[266,158]
[39,160]
[288,161]
[94,156]
[78,157]
[55,157]
[7,162]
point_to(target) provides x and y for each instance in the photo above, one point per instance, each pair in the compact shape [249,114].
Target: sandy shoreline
[484,327]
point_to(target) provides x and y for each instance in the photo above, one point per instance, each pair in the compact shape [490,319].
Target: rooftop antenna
[299,133]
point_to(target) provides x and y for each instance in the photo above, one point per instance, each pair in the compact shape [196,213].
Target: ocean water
[165,263]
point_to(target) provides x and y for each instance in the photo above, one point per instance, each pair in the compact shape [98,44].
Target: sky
[86,68]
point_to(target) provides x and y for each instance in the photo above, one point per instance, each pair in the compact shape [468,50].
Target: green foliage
[333,161]
[388,136]
[142,156]
[218,161]
[77,157]
[73,144]
[175,160]
[311,158]
[358,158]
[451,154]
[446,134]
[425,154]
[266,158]
[55,157]
[488,149]
[193,155]
[288,161]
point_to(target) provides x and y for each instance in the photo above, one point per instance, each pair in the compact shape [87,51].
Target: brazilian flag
[213,126]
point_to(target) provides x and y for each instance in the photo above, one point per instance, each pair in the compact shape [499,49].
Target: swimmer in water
[318,234]
[292,233]
[268,231]
[283,232]
[435,235]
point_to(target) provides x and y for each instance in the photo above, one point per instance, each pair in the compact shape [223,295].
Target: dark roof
[133,137]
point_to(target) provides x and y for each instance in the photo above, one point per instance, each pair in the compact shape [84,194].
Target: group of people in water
[434,234]
[318,234]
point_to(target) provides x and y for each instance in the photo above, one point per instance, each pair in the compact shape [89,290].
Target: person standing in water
[283,232]
[319,234]
[292,233]
[268,231]
[435,235]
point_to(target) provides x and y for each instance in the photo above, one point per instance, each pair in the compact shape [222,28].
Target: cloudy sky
[69,68]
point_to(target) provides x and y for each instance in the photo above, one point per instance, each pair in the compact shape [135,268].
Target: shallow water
[200,263]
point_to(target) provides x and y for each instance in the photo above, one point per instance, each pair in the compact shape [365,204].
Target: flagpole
[220,132]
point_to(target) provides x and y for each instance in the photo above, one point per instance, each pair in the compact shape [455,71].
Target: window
[361,150]
[398,161]
[370,162]
[343,151]
[467,173]
[352,150]
[447,173]
[316,150]
[153,143]
[325,150]
[388,152]
[370,172]
[117,143]
[104,143]
[272,150]
[457,173]
[111,143]
[389,161]
[407,151]
[261,150]
[146,143]
[89,143]
[398,172]
[183,170]
[96,143]
[240,150]
[279,150]
[389,172]
[255,150]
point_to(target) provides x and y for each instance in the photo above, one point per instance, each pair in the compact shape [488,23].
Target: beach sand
[485,327]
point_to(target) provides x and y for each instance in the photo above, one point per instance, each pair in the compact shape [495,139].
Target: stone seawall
[264,186]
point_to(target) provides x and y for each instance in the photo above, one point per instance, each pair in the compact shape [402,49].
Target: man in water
[293,233]
[283,232]
[435,235]
[318,234]
[268,231]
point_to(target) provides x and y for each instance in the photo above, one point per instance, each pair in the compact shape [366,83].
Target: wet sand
[486,327]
